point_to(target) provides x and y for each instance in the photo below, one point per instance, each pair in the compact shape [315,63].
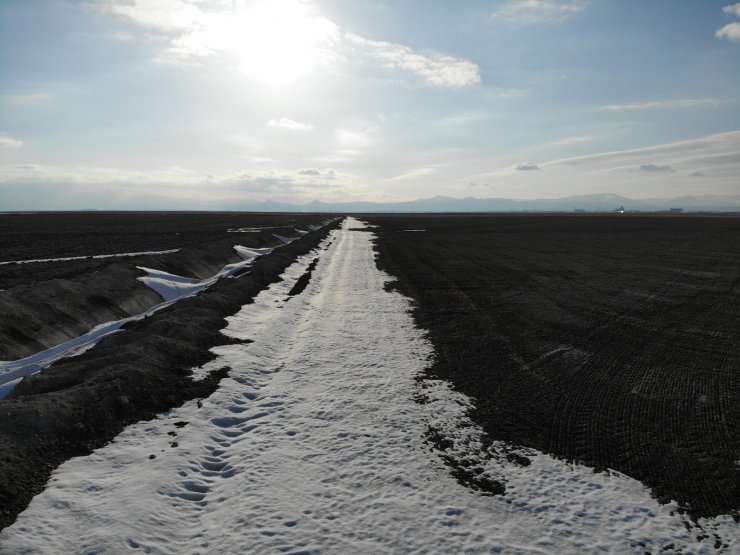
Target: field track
[612,340]
[80,403]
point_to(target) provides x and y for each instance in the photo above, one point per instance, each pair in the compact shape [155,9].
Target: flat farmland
[52,235]
[609,340]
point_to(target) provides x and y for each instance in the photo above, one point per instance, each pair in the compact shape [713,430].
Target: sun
[274,41]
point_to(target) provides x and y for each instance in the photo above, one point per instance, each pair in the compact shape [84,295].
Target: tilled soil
[610,340]
[45,303]
[70,234]
[81,403]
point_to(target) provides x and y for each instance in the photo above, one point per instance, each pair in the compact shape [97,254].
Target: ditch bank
[81,403]
[77,295]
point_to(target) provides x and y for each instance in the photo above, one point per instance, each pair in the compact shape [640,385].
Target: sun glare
[274,41]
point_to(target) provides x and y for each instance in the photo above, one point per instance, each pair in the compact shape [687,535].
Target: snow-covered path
[314,444]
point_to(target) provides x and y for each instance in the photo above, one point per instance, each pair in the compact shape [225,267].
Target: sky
[215,104]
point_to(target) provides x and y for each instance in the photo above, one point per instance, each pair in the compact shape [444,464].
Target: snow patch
[169,286]
[250,253]
[250,229]
[96,256]
[285,240]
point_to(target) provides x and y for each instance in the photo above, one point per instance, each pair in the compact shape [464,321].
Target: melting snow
[314,444]
[250,229]
[65,259]
[250,253]
[284,240]
[170,287]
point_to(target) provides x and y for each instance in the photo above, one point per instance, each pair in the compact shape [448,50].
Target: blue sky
[212,103]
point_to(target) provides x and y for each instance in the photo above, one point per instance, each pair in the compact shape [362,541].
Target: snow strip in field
[314,444]
[95,256]
[170,287]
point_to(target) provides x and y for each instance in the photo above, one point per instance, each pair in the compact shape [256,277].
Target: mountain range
[587,203]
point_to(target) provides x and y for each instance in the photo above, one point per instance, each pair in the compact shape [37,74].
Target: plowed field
[611,340]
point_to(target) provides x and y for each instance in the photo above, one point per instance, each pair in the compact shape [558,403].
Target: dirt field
[612,340]
[45,303]
[71,234]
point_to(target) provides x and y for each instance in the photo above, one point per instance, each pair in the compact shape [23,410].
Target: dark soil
[68,234]
[610,340]
[44,304]
[303,281]
[81,403]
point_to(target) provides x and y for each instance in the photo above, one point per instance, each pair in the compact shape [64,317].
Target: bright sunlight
[275,41]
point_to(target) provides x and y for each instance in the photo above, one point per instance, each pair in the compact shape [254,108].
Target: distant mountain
[587,203]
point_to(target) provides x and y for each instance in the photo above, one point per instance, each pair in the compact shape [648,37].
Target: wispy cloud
[663,104]
[286,34]
[654,168]
[708,164]
[569,141]
[539,11]
[114,185]
[415,174]
[438,70]
[714,151]
[165,15]
[8,142]
[526,166]
[287,123]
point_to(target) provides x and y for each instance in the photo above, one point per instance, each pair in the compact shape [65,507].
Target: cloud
[120,187]
[730,32]
[293,125]
[328,173]
[280,38]
[705,165]
[164,15]
[568,141]
[715,157]
[357,135]
[438,70]
[526,166]
[415,174]
[7,142]
[734,9]
[539,11]
[724,145]
[658,105]
[652,168]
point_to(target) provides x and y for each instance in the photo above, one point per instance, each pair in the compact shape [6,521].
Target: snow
[250,253]
[170,287]
[11,372]
[284,240]
[313,443]
[250,229]
[96,256]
